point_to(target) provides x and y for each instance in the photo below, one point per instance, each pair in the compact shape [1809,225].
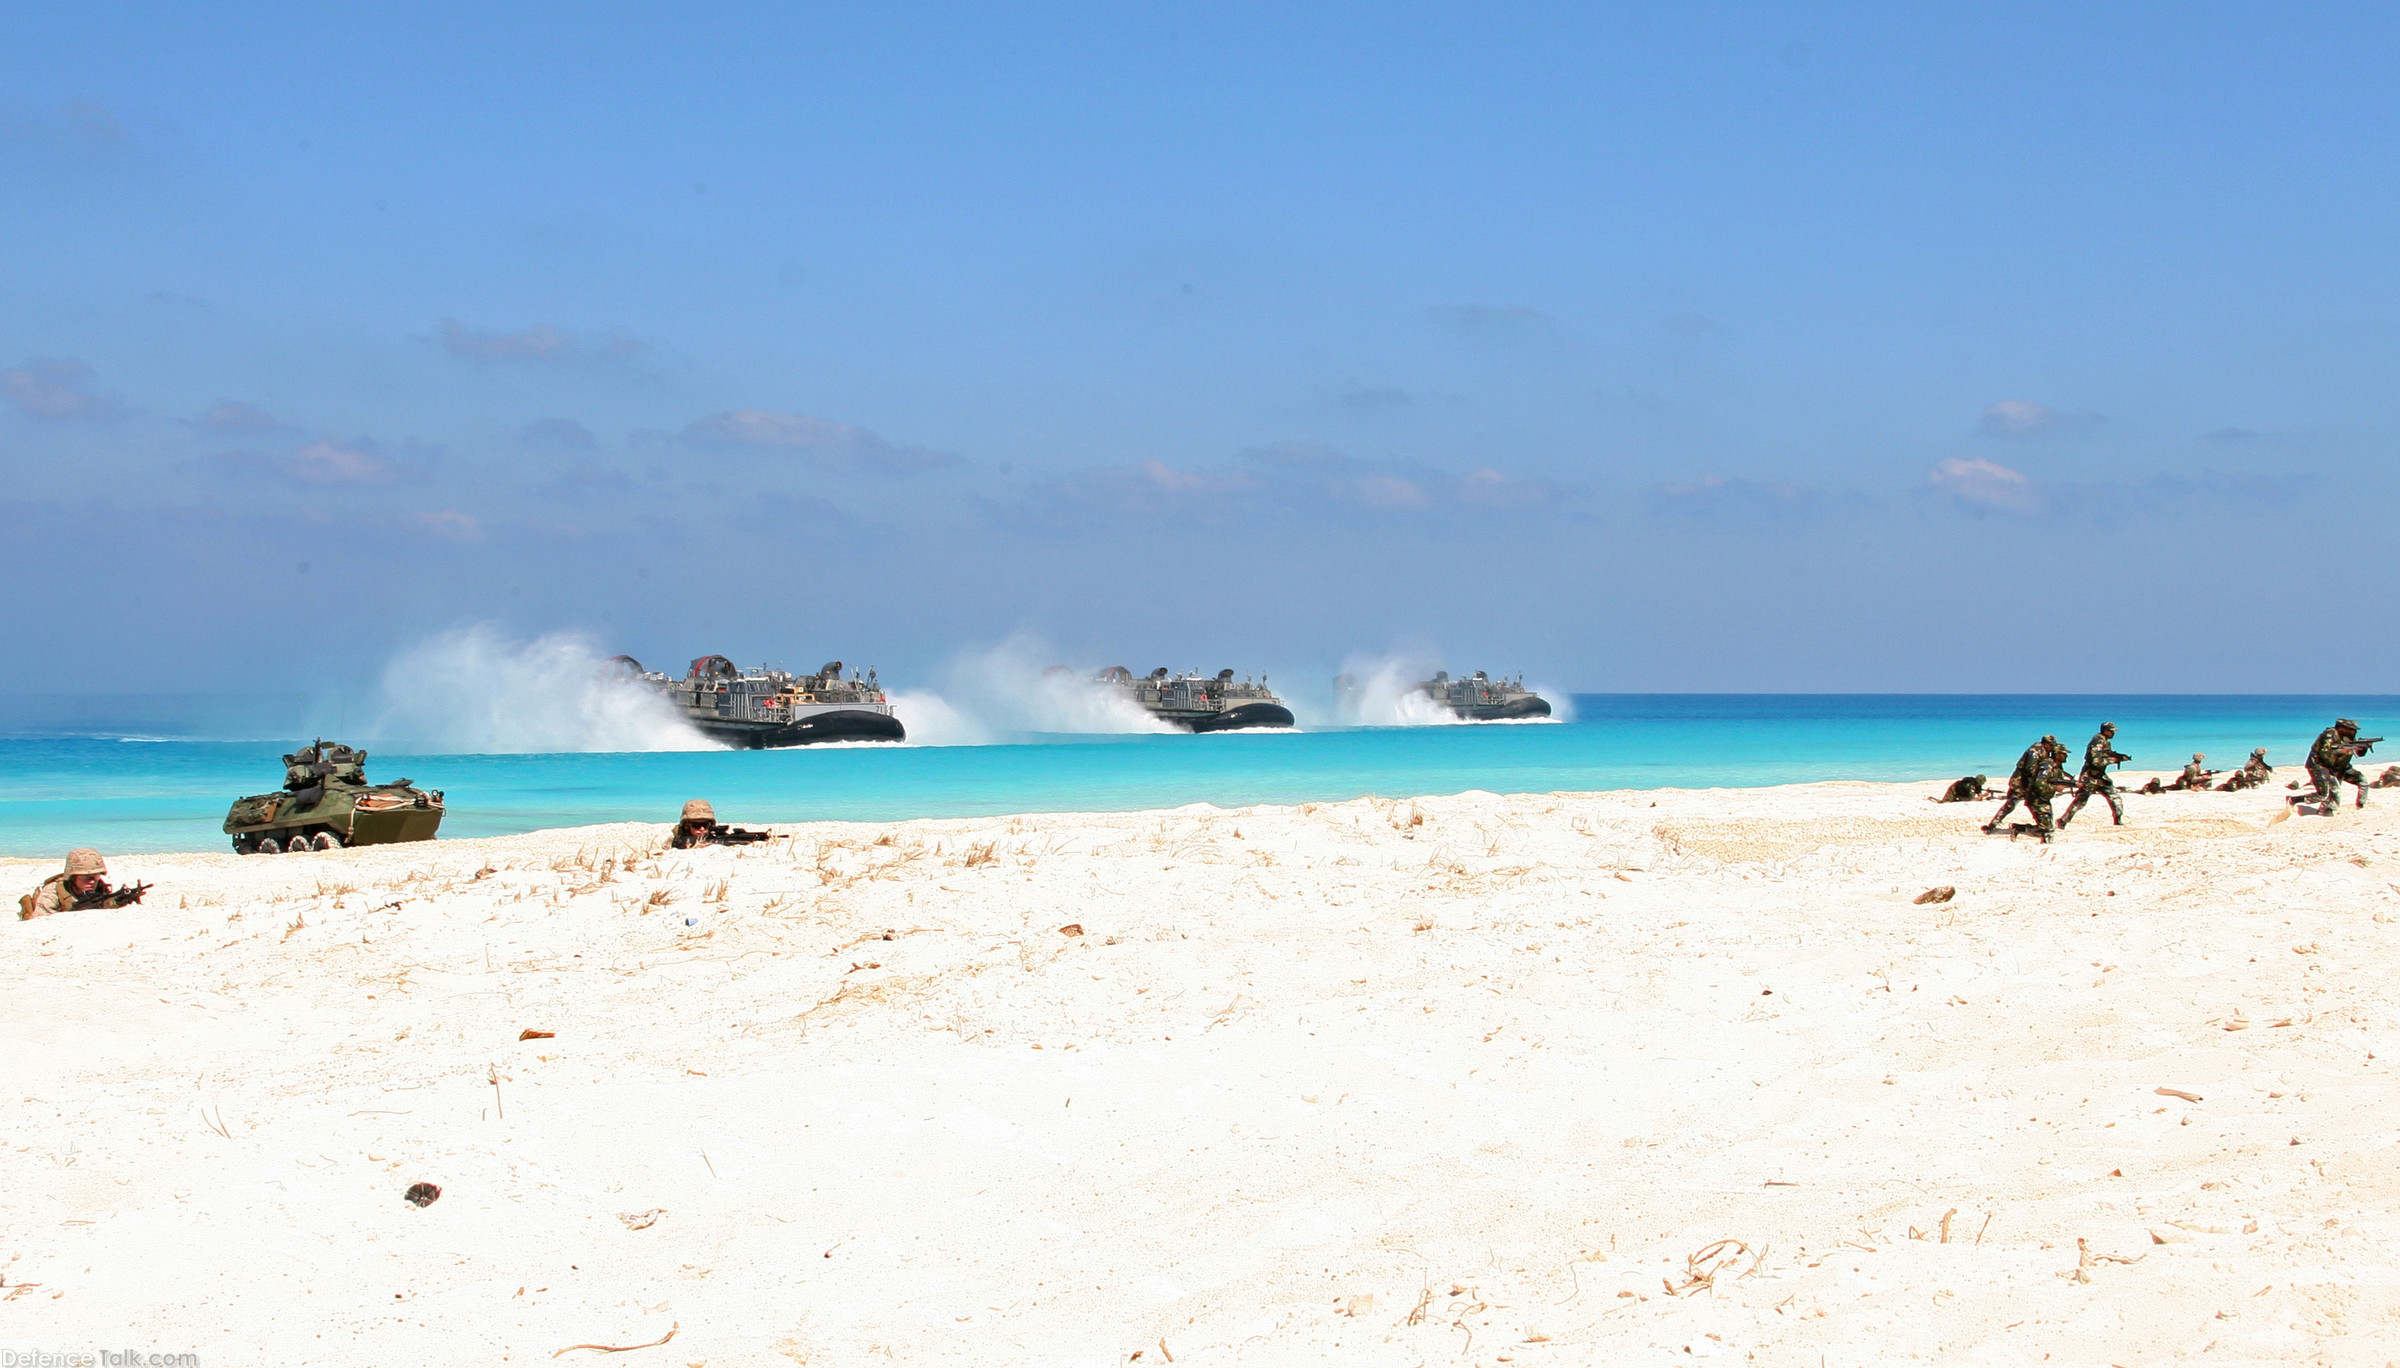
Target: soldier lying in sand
[1970,790]
[83,884]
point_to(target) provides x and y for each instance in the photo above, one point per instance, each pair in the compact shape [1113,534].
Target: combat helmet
[698,810]
[85,860]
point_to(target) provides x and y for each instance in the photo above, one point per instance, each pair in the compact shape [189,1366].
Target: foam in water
[472,690]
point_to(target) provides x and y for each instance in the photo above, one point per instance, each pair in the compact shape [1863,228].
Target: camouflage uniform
[2390,778]
[2193,776]
[58,894]
[2098,754]
[1965,790]
[2254,772]
[2330,763]
[698,827]
[2035,782]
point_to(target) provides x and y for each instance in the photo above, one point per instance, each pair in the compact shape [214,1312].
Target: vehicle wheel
[295,843]
[242,845]
[267,845]
[326,840]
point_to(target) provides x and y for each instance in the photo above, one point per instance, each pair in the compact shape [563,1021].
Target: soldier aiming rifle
[82,885]
[700,827]
[2332,762]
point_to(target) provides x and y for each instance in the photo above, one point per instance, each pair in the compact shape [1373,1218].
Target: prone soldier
[1968,790]
[2254,772]
[82,884]
[2100,753]
[2193,777]
[2390,778]
[700,827]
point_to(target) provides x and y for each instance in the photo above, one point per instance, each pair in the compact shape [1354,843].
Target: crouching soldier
[83,884]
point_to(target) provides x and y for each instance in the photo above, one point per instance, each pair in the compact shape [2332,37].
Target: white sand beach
[1570,1078]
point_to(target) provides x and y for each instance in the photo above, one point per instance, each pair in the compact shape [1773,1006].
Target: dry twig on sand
[622,1348]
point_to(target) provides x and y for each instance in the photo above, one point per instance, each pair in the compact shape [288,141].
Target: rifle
[725,835]
[103,896]
[2361,745]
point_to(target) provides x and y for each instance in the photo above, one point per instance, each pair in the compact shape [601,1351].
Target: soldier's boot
[2116,811]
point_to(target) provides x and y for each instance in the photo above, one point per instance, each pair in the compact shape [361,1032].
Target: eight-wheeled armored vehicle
[326,803]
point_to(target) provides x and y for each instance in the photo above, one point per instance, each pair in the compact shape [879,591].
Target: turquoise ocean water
[127,789]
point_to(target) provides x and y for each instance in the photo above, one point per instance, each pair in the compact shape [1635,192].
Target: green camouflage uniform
[2098,755]
[2330,763]
[2034,784]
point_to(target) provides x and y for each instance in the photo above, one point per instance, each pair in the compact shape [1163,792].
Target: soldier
[698,827]
[1967,790]
[2193,777]
[2390,778]
[2036,780]
[2330,763]
[84,883]
[2254,772]
[2098,755]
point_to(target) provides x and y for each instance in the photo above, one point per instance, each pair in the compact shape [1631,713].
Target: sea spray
[1018,686]
[473,690]
[1383,691]
[931,721]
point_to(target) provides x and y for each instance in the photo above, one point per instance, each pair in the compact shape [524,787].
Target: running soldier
[2034,784]
[2098,755]
[2331,764]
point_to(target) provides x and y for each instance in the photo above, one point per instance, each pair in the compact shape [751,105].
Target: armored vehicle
[755,709]
[1201,703]
[1478,698]
[327,803]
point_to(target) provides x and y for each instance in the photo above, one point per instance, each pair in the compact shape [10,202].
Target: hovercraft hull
[834,724]
[1244,717]
[1515,709]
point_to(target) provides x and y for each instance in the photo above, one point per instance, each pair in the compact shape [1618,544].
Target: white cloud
[336,463]
[2025,418]
[1987,485]
[55,388]
[448,525]
[818,439]
[231,415]
[539,343]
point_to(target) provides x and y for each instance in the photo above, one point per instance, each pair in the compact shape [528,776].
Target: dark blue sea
[159,782]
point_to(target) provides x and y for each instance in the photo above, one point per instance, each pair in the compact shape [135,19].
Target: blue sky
[1637,347]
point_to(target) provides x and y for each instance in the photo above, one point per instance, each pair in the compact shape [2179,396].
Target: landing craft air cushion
[756,709]
[1201,703]
[1479,698]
